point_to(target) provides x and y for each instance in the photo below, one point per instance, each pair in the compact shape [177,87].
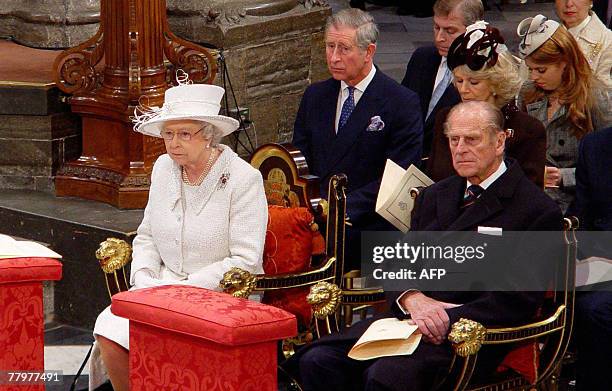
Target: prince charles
[355,121]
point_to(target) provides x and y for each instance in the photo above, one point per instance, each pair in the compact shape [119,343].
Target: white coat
[225,227]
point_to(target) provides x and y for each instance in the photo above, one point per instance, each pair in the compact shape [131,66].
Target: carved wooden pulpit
[106,76]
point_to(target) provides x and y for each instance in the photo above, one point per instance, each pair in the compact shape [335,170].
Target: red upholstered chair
[296,255]
[188,338]
[21,314]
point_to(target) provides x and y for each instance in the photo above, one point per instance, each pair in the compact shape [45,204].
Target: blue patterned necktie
[472,194]
[439,91]
[347,107]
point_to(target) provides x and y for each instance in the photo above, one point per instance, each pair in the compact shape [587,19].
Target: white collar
[492,178]
[576,30]
[363,84]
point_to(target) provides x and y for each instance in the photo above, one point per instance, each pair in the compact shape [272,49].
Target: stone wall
[49,23]
[271,60]
[37,134]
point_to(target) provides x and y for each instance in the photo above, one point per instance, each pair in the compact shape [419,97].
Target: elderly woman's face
[471,88]
[185,141]
[572,12]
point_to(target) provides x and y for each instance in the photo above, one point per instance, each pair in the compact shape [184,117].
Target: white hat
[534,31]
[196,102]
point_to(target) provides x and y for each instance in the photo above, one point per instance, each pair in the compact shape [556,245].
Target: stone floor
[399,36]
[65,350]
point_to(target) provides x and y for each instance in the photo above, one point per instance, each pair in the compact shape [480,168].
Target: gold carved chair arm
[553,333]
[325,298]
[240,283]
[467,338]
[113,256]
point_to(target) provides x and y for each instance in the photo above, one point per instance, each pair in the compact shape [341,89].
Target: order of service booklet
[11,248]
[394,202]
[386,337]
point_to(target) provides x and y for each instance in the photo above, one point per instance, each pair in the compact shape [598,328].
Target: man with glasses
[355,121]
[427,73]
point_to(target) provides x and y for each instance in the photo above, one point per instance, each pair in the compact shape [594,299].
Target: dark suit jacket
[512,203]
[420,77]
[527,146]
[593,203]
[355,151]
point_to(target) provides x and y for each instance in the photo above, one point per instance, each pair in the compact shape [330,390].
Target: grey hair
[210,131]
[470,10]
[491,118]
[363,22]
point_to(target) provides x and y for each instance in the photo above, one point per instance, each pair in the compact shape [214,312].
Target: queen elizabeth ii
[206,213]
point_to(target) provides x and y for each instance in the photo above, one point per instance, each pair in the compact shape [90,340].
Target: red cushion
[524,360]
[29,269]
[290,243]
[215,316]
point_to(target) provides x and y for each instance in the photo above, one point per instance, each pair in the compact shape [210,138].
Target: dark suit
[513,203]
[593,205]
[356,151]
[527,145]
[420,77]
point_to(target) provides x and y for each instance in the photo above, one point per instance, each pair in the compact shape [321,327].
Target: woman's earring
[207,146]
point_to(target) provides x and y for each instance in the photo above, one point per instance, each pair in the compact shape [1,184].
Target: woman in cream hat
[563,94]
[206,213]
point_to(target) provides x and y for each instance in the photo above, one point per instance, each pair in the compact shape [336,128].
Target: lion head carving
[238,282]
[468,336]
[324,299]
[113,254]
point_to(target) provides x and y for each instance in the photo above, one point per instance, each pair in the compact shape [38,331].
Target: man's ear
[370,51]
[500,145]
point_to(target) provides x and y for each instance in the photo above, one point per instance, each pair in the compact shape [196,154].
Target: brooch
[223,180]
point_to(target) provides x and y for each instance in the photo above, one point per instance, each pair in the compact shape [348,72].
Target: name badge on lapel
[376,124]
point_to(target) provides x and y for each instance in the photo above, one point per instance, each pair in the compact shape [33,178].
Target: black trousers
[594,340]
[327,367]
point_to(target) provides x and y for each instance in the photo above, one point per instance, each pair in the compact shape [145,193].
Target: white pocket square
[376,124]
[495,231]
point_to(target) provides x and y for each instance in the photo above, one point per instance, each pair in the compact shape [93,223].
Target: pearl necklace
[207,168]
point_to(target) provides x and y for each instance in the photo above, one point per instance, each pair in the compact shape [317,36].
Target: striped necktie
[471,195]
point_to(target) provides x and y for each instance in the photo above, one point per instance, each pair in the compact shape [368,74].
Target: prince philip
[355,121]
[488,191]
